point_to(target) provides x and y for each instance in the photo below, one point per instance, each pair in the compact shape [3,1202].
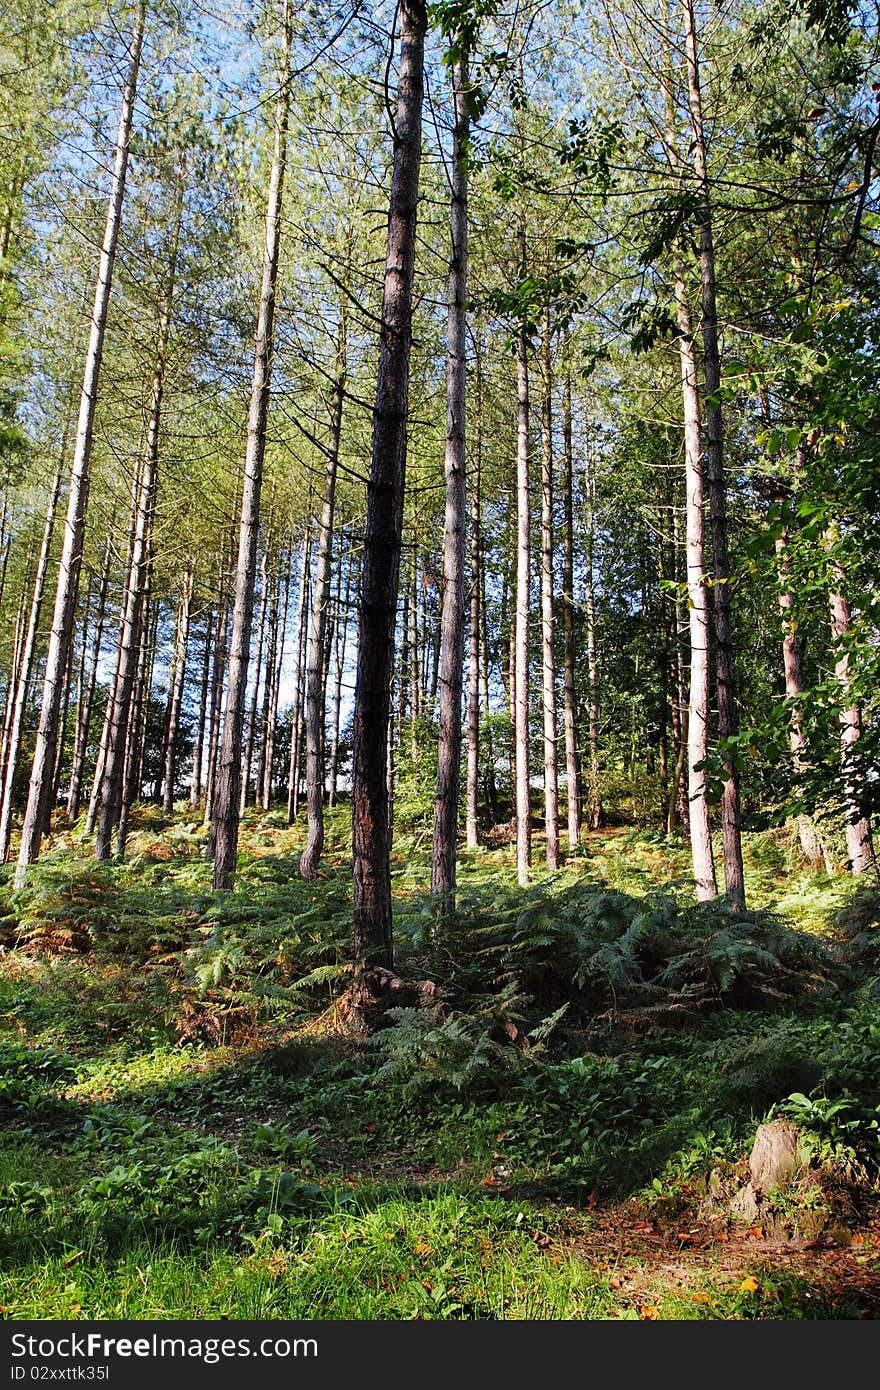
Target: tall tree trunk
[443,851]
[52,798]
[195,785]
[14,669]
[271,643]
[595,801]
[216,712]
[87,701]
[474,652]
[112,784]
[572,766]
[811,844]
[698,704]
[520,671]
[859,839]
[25,666]
[302,610]
[225,818]
[74,527]
[678,793]
[371,824]
[315,684]
[270,722]
[247,757]
[340,642]
[548,661]
[695,523]
[178,676]
[131,766]
[728,721]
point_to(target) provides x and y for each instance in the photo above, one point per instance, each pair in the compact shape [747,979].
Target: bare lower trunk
[548,664]
[112,781]
[794,689]
[216,712]
[61,634]
[131,771]
[315,684]
[521,628]
[371,823]
[270,723]
[475,645]
[728,721]
[195,784]
[595,798]
[698,705]
[225,810]
[859,840]
[296,712]
[340,637]
[678,795]
[25,667]
[178,676]
[572,765]
[247,756]
[81,744]
[443,855]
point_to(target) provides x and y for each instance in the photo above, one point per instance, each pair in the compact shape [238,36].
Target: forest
[439,644]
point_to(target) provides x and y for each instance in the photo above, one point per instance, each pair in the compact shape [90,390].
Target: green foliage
[546,1073]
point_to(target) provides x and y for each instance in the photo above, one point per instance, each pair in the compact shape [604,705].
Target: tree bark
[302,610]
[728,720]
[339,646]
[698,703]
[61,633]
[132,762]
[811,844]
[270,723]
[217,684]
[25,666]
[520,672]
[446,801]
[195,786]
[225,810]
[859,839]
[371,824]
[476,617]
[247,756]
[178,677]
[548,663]
[572,764]
[315,685]
[595,788]
[87,700]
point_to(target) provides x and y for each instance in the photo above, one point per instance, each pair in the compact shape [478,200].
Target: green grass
[187,1137]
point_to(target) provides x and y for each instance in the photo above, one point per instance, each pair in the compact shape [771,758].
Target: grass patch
[186,1137]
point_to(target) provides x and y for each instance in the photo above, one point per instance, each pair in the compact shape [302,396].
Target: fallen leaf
[749,1285]
[421,1249]
[700,1298]
[755,1232]
[648,1313]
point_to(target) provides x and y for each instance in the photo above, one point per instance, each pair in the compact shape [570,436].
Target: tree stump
[774,1158]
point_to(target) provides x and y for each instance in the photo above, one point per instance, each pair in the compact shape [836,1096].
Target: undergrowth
[187,1135]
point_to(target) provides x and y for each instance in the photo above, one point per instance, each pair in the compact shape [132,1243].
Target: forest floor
[562,1133]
